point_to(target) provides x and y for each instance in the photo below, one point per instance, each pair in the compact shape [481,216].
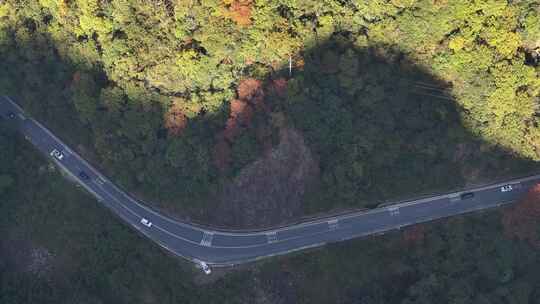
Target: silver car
[506,188]
[57,154]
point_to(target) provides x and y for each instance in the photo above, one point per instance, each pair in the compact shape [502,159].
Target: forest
[59,246]
[303,106]
[253,113]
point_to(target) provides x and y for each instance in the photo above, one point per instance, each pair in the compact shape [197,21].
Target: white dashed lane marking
[207,239]
[333,224]
[271,236]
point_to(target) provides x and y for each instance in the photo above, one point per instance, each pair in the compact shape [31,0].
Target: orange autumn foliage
[250,99]
[240,116]
[239,11]
[249,88]
[237,107]
[251,91]
[175,120]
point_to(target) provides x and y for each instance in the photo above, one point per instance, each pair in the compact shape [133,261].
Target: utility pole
[290,66]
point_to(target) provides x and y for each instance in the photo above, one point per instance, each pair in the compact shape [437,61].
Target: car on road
[205,268]
[84,176]
[467,195]
[11,115]
[57,154]
[506,188]
[146,222]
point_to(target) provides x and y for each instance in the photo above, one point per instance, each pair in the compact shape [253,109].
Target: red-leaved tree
[250,99]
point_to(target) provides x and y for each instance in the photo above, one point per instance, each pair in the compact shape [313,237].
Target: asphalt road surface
[221,248]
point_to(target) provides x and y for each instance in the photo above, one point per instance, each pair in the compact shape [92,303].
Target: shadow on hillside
[380,127]
[352,127]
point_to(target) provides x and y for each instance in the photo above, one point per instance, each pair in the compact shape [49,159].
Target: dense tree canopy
[149,88]
[175,98]
[60,246]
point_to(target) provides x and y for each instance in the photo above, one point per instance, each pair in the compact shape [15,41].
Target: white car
[205,268]
[506,188]
[146,222]
[57,154]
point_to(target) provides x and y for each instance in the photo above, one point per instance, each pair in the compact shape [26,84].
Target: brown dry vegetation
[279,86]
[269,190]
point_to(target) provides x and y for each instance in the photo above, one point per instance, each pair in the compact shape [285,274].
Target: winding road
[223,248]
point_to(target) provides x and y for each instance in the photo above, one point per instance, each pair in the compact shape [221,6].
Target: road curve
[223,248]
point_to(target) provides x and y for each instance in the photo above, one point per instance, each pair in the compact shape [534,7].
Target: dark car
[467,195]
[11,115]
[84,176]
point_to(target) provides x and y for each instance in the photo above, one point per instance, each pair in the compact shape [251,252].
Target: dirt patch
[268,191]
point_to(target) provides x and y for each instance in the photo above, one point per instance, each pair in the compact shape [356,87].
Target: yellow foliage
[403,3]
[5,9]
[456,43]
[326,26]
[92,24]
[506,43]
[88,7]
